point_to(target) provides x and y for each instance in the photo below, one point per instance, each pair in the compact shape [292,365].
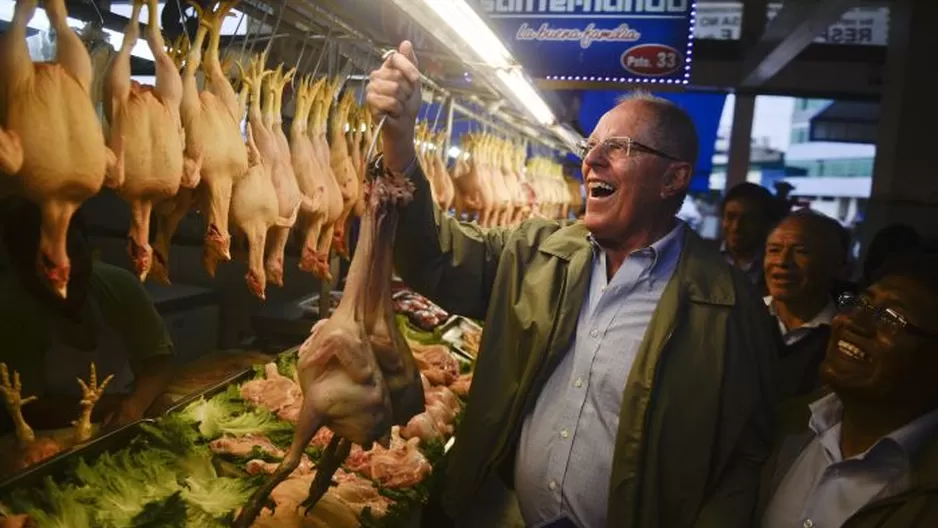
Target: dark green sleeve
[145,335]
[452,263]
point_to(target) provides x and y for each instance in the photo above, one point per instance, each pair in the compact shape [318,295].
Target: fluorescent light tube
[475,33]
[466,23]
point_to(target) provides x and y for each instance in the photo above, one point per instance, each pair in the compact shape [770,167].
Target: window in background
[722,20]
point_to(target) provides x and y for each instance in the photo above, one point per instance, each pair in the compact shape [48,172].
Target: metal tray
[221,386]
[209,391]
[451,334]
[60,463]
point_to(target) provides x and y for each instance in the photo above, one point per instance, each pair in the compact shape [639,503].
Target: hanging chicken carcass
[308,171]
[213,133]
[52,147]
[345,172]
[318,262]
[145,123]
[254,205]
[289,197]
[344,387]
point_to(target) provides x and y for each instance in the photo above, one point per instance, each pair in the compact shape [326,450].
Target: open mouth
[852,351]
[599,189]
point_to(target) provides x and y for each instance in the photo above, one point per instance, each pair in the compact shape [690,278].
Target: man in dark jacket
[869,455]
[803,255]
[624,375]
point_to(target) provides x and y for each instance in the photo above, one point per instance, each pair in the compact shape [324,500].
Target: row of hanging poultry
[492,182]
[173,147]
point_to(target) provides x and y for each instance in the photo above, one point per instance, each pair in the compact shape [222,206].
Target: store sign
[858,26]
[597,40]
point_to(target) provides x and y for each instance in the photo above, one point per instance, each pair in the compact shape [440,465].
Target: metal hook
[96,10]
[273,33]
[183,19]
[231,40]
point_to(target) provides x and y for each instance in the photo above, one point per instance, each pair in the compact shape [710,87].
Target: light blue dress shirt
[564,460]
[822,490]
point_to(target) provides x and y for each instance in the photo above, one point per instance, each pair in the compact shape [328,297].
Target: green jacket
[696,419]
[916,508]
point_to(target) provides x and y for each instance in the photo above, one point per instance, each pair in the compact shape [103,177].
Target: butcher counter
[213,372]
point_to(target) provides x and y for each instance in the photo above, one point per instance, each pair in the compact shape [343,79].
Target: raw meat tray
[452,332]
[57,466]
[221,386]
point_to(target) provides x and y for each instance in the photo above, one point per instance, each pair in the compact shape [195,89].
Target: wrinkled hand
[394,91]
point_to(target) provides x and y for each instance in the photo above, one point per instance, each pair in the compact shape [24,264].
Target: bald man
[804,255]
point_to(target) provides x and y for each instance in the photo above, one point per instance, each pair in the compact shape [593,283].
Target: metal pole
[449,126]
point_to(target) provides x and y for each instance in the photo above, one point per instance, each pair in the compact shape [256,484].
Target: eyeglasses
[622,146]
[888,320]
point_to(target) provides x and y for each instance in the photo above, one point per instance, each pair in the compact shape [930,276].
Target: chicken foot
[90,394]
[332,458]
[14,402]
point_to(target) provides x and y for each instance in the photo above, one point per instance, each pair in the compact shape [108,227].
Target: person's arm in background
[451,262]
[149,347]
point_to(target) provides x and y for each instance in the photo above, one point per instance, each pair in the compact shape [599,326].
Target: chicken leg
[90,394]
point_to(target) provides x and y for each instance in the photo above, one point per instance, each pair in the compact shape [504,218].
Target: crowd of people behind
[856,367]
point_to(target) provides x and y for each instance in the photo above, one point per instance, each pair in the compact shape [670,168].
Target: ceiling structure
[348,36]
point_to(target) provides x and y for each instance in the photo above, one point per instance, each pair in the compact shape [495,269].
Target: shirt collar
[665,252]
[824,317]
[755,266]
[827,413]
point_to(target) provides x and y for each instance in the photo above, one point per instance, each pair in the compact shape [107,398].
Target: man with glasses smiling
[623,378]
[869,455]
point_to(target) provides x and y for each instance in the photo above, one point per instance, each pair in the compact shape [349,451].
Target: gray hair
[674,131]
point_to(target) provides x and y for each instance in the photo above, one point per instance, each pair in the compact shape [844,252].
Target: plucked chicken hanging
[356,371]
[51,144]
[147,132]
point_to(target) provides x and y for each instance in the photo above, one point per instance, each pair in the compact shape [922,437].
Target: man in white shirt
[804,254]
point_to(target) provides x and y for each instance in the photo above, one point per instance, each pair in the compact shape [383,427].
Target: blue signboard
[629,41]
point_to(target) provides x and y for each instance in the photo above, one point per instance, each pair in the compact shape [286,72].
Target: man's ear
[677,179]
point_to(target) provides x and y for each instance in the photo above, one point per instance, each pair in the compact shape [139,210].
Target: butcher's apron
[64,363]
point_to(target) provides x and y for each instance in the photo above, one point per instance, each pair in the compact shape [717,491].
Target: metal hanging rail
[316,15]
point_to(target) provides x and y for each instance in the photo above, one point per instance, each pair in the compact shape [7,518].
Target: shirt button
[578,383]
[564,434]
[808,523]
[552,485]
[594,333]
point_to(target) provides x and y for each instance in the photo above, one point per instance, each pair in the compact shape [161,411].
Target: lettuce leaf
[170,512]
[53,506]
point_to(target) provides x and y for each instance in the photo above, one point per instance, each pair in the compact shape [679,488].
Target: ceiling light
[454,152]
[465,21]
[467,30]
[526,95]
